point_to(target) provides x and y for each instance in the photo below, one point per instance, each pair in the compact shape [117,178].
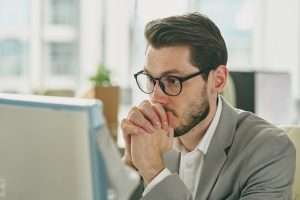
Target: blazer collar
[217,151]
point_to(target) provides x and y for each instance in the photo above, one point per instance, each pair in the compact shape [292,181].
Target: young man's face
[192,105]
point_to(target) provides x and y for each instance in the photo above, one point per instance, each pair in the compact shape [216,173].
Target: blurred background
[53,47]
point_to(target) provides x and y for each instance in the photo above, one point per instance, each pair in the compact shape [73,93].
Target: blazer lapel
[216,155]
[172,159]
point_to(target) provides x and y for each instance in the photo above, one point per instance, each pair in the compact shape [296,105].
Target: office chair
[294,134]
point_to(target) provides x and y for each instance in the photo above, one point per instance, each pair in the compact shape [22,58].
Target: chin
[180,131]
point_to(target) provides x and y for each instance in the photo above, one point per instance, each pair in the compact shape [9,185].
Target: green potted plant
[109,95]
[102,76]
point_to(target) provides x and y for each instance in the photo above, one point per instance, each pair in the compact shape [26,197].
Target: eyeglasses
[169,84]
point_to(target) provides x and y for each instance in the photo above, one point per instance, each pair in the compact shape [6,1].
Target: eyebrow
[172,71]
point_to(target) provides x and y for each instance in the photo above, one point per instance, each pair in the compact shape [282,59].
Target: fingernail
[157,124]
[165,123]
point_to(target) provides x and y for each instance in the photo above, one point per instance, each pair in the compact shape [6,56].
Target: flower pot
[109,95]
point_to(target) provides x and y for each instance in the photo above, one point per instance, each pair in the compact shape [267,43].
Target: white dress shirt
[190,162]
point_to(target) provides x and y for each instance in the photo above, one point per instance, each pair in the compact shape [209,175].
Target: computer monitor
[58,148]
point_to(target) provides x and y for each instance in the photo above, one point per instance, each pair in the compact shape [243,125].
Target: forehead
[175,59]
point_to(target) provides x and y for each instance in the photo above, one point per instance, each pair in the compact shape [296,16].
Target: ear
[219,78]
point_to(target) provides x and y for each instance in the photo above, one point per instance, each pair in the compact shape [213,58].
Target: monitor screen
[58,148]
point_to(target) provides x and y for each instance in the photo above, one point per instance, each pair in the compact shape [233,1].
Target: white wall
[277,38]
[117,40]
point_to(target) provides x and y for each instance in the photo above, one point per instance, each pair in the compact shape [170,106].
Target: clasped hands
[148,134]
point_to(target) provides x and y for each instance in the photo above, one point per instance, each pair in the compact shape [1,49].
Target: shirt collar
[205,141]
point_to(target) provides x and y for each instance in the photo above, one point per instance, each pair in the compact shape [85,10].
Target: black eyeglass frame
[161,85]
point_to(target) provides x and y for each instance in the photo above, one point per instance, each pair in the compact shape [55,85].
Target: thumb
[171,119]
[171,133]
[169,140]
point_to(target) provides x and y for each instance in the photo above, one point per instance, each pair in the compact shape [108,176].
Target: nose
[158,96]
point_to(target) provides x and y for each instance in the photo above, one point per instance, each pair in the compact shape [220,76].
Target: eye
[171,81]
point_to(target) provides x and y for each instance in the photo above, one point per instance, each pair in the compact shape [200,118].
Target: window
[60,41]
[41,42]
[62,59]
[13,57]
[14,37]
[62,12]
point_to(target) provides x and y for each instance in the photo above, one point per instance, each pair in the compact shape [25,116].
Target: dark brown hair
[198,32]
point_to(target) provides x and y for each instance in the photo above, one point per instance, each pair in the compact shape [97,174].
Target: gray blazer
[248,158]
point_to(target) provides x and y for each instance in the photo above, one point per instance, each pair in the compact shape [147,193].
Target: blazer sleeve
[270,170]
[171,188]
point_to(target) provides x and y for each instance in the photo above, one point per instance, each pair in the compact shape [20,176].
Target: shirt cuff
[157,179]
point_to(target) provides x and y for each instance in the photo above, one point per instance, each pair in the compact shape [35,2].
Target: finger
[148,111]
[126,136]
[160,111]
[137,118]
[129,128]
[171,119]
[170,138]
[127,139]
[167,141]
[171,133]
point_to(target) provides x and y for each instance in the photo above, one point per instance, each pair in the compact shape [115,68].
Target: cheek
[192,101]
[176,105]
[180,105]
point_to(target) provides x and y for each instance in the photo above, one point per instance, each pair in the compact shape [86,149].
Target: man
[186,141]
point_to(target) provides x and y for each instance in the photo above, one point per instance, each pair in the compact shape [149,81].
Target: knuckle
[159,107]
[133,110]
[148,123]
[161,111]
[145,102]
[126,127]
[124,124]
[145,105]
[133,113]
